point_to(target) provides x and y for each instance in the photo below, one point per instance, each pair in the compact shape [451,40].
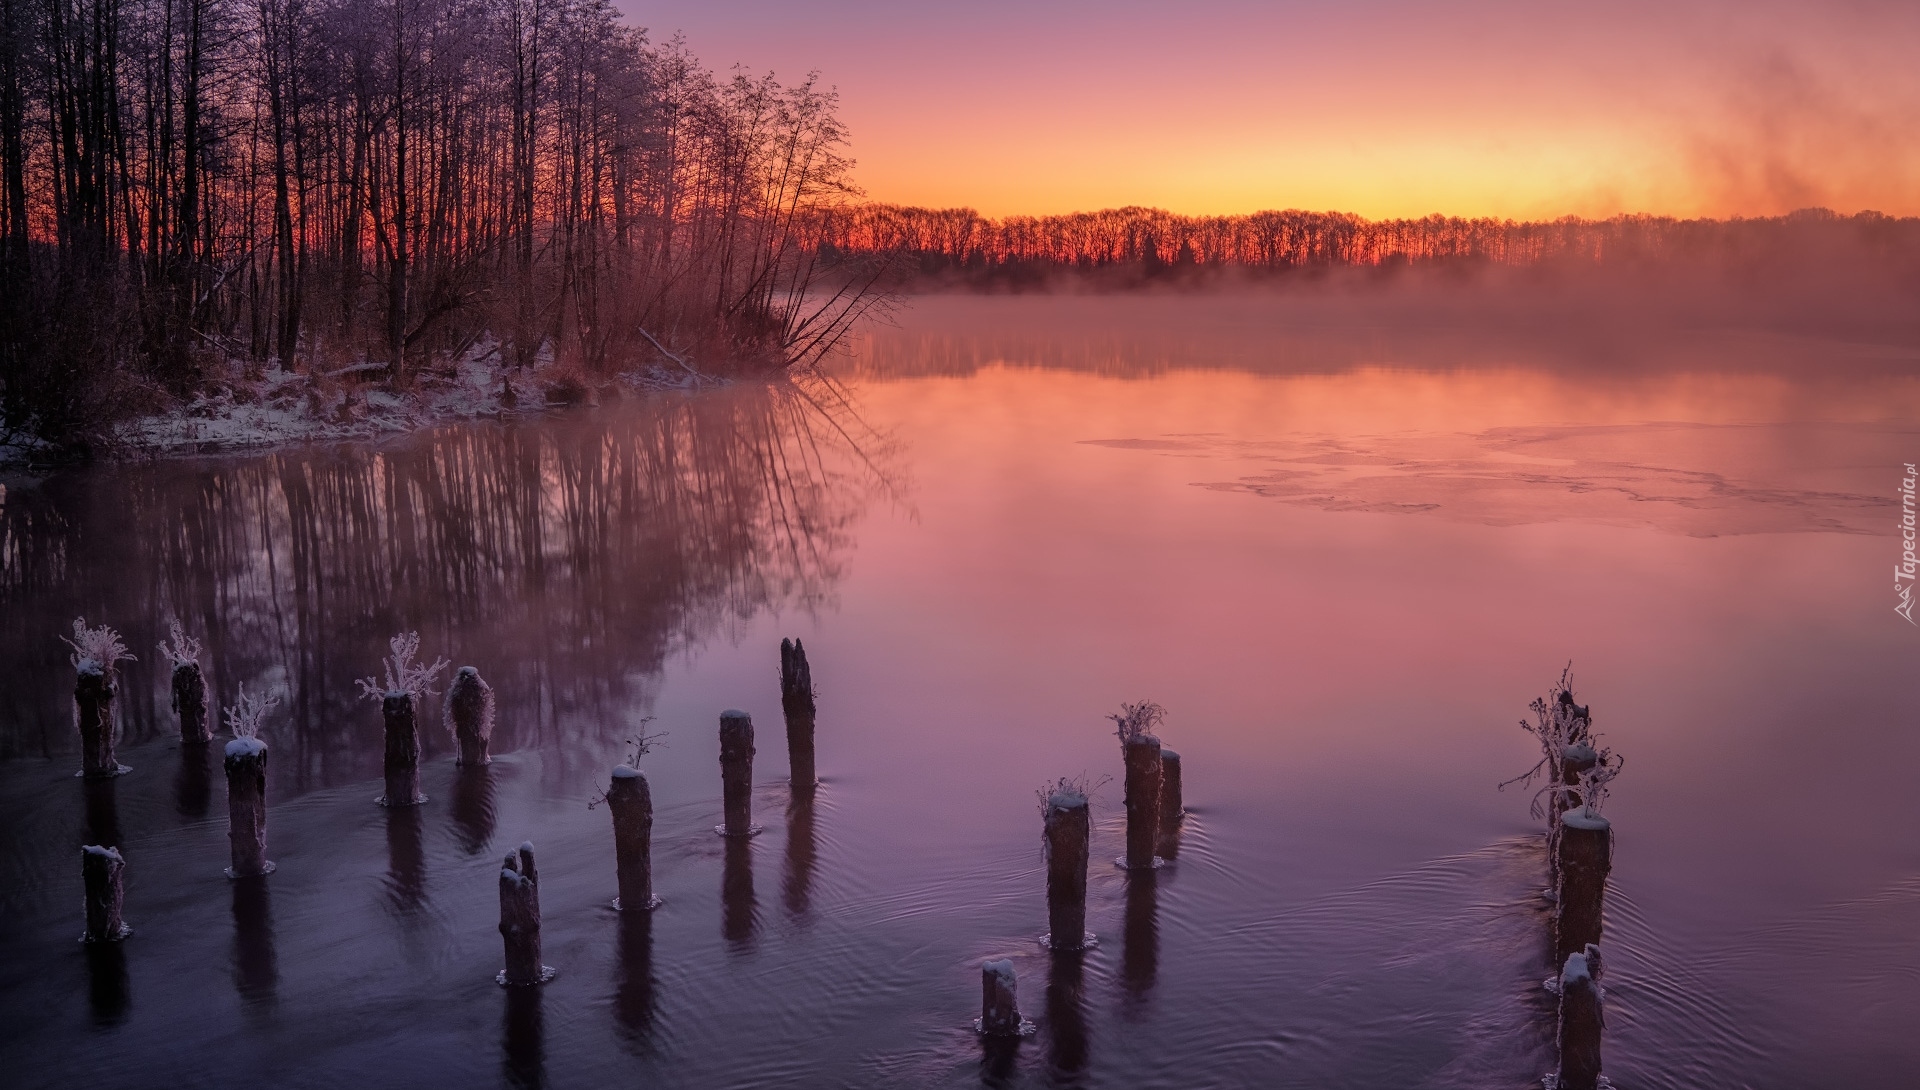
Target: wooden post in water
[470,710]
[630,800]
[520,921]
[796,702]
[1143,800]
[100,870]
[999,1011]
[1581,1021]
[1067,825]
[190,704]
[93,694]
[1172,805]
[403,750]
[246,762]
[1585,854]
[736,773]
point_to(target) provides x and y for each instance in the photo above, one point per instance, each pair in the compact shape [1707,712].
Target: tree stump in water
[403,751]
[630,800]
[1067,823]
[736,773]
[796,702]
[1585,855]
[190,704]
[1172,805]
[999,1011]
[100,871]
[93,694]
[520,921]
[1581,1022]
[1143,801]
[246,763]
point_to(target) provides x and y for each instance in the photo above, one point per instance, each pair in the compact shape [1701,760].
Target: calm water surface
[1344,553]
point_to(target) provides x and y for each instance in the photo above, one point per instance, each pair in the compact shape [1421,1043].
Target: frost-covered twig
[403,675]
[100,646]
[243,718]
[184,649]
[1559,725]
[1137,721]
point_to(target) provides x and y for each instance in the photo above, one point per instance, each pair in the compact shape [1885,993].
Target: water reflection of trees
[567,558]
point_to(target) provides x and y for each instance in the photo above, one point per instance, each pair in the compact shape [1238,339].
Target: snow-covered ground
[280,407]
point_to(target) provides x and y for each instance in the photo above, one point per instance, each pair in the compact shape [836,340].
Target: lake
[1344,544]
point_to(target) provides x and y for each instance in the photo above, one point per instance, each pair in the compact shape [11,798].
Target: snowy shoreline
[287,408]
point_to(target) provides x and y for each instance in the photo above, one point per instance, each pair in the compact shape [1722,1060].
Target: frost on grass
[95,650]
[247,409]
[1563,728]
[184,649]
[403,675]
[1137,721]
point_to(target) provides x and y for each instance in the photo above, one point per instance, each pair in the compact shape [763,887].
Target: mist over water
[1344,538]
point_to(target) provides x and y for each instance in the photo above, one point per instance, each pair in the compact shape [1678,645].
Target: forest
[189,186]
[1143,243]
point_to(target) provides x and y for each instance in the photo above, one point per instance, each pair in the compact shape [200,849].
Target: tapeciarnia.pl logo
[1903,572]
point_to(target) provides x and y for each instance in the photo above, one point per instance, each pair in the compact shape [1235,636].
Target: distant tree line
[324,183]
[1146,241]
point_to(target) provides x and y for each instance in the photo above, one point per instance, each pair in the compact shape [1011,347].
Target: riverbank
[251,410]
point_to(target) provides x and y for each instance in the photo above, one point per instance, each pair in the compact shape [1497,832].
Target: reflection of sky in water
[1353,903]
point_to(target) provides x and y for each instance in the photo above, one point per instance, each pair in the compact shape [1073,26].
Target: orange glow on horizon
[1391,109]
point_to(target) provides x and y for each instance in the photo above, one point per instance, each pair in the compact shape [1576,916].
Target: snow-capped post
[95,652]
[189,686]
[100,870]
[1141,748]
[408,684]
[470,710]
[736,773]
[1172,806]
[520,920]
[246,763]
[1585,857]
[630,799]
[796,701]
[1581,1021]
[999,1011]
[1576,769]
[1066,826]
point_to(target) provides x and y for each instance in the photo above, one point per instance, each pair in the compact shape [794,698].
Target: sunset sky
[1380,107]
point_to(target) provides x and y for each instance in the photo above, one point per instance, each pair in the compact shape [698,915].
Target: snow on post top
[1002,971]
[1585,818]
[1576,972]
